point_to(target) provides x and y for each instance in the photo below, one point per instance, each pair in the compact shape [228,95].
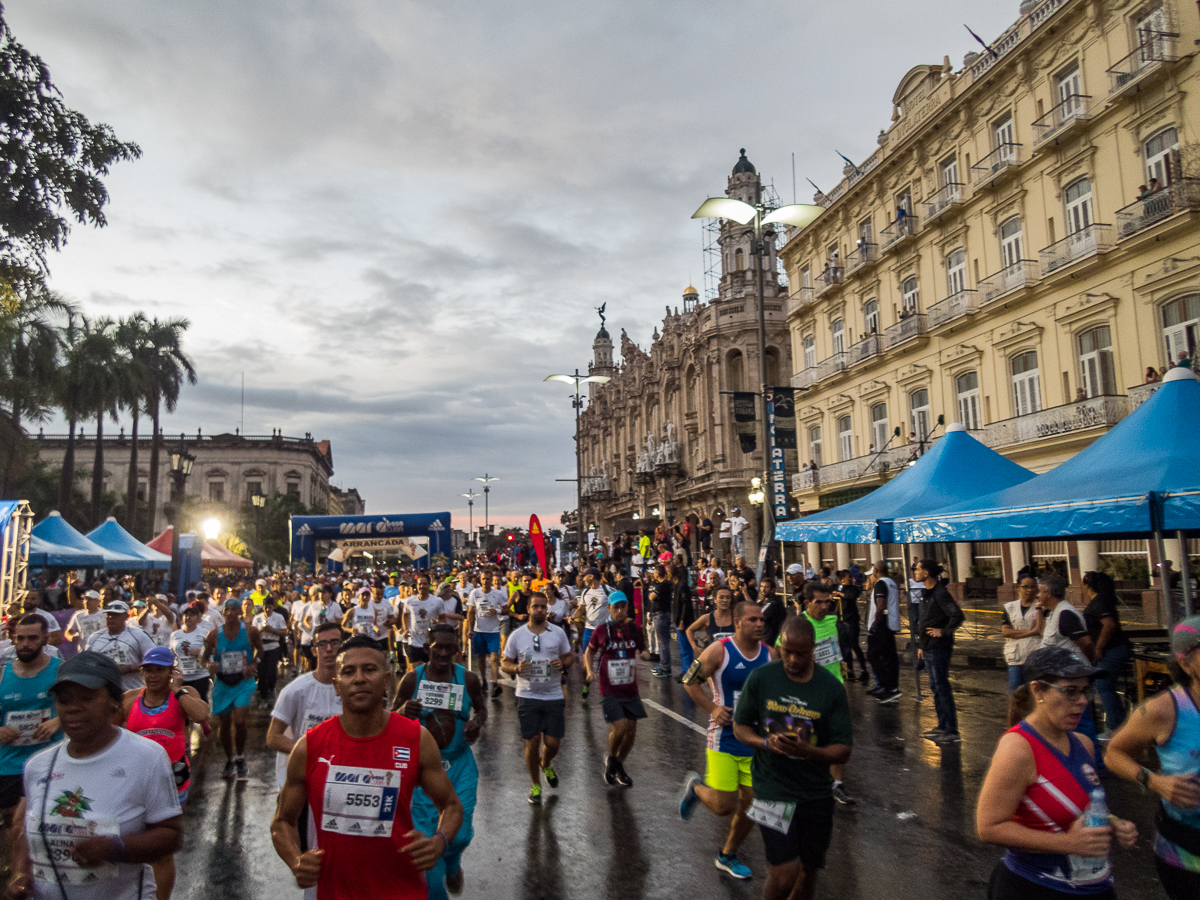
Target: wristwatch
[1143,778]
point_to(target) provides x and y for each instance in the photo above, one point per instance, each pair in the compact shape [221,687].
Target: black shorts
[202,686]
[808,836]
[415,655]
[12,789]
[1008,885]
[618,708]
[546,717]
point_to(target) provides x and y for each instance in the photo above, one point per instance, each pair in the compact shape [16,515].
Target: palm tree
[29,351]
[105,379]
[169,367]
[133,338]
[87,353]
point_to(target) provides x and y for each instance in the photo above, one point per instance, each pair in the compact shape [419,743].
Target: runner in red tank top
[358,771]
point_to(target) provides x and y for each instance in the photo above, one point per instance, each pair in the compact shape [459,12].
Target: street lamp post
[470,495]
[259,501]
[577,402]
[181,468]
[486,479]
[799,215]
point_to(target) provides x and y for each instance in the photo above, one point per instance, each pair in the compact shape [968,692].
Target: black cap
[90,669]
[1046,663]
[592,570]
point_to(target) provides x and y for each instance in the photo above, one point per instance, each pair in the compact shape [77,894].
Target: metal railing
[905,330]
[831,365]
[805,378]
[943,199]
[806,480]
[1155,49]
[1092,413]
[905,226]
[1088,241]
[1001,159]
[864,253]
[864,349]
[845,470]
[959,304]
[1062,116]
[1011,278]
[1174,198]
[830,278]
[800,298]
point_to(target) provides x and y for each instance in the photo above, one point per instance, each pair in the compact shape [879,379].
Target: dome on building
[690,290]
[743,165]
[602,334]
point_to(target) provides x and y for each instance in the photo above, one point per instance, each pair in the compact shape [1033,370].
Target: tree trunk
[132,482]
[152,493]
[66,479]
[98,470]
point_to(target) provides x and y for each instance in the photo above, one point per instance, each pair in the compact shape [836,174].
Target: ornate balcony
[1141,214]
[1062,119]
[869,346]
[963,303]
[1022,273]
[829,279]
[905,330]
[1003,159]
[948,197]
[1155,51]
[831,366]
[805,378]
[1095,238]
[806,480]
[799,298]
[1095,412]
[904,227]
[863,254]
[860,468]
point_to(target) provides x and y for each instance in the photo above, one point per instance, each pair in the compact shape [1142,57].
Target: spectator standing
[1022,629]
[940,617]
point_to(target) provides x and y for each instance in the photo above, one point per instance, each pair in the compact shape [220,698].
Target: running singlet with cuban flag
[727,684]
[1052,803]
[360,791]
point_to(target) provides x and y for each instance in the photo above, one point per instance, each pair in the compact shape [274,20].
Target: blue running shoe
[734,866]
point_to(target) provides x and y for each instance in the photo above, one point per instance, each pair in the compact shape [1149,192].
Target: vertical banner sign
[778,473]
[745,404]
[539,544]
[784,400]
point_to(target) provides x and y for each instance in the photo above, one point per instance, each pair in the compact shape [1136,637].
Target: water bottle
[1096,814]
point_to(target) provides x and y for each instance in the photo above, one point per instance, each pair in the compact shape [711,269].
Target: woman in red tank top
[357,772]
[161,712]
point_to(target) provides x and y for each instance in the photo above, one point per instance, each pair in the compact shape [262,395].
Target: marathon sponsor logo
[792,707]
[366,777]
[372,545]
[381,527]
[304,530]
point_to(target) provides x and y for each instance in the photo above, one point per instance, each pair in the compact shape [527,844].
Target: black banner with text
[784,408]
[745,419]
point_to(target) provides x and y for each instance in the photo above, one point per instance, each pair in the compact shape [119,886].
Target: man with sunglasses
[537,654]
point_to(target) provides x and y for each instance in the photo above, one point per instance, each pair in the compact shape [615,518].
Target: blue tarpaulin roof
[112,536]
[1141,477]
[6,510]
[55,529]
[956,468]
[44,553]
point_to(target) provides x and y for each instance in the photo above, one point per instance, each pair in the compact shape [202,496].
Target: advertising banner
[745,419]
[305,531]
[539,543]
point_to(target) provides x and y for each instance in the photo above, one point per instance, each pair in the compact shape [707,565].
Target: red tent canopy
[212,554]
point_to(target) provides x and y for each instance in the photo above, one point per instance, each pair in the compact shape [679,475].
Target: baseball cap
[92,595]
[261,581]
[139,604]
[795,569]
[617,597]
[592,570]
[232,601]
[446,586]
[159,656]
[1058,662]
[736,510]
[116,607]
[1186,637]
[89,669]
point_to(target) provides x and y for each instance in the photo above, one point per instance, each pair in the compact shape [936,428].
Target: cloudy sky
[397,216]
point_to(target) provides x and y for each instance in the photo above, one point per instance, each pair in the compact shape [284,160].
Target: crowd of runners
[387,680]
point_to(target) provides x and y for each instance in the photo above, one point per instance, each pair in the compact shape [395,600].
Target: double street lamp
[577,402]
[486,479]
[181,468]
[260,501]
[798,215]
[471,495]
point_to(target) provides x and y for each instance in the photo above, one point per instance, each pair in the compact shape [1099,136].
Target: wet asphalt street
[910,836]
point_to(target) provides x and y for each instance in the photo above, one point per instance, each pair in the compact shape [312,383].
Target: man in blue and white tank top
[232,653]
[726,790]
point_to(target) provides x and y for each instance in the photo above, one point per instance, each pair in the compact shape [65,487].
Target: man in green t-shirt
[796,718]
[818,609]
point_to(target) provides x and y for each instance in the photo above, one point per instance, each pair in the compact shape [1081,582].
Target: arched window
[966,386]
[1077,201]
[772,366]
[1097,375]
[918,405]
[739,259]
[689,389]
[1181,327]
[956,272]
[810,352]
[912,296]
[879,425]
[838,329]
[735,369]
[1161,153]
[1027,390]
[1010,242]
[845,438]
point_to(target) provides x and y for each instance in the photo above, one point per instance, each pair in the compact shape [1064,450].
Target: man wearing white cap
[124,646]
[86,621]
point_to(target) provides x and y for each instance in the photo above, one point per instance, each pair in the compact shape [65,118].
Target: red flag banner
[539,544]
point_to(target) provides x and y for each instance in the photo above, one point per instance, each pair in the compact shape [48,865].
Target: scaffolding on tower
[710,242]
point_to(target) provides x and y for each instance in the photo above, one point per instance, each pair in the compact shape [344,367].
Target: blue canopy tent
[1140,479]
[111,536]
[55,529]
[956,468]
[43,553]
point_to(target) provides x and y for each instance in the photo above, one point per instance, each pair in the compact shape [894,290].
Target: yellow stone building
[991,262]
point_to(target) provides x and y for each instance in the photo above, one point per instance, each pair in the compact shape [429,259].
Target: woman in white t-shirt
[157,620]
[188,644]
[86,621]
